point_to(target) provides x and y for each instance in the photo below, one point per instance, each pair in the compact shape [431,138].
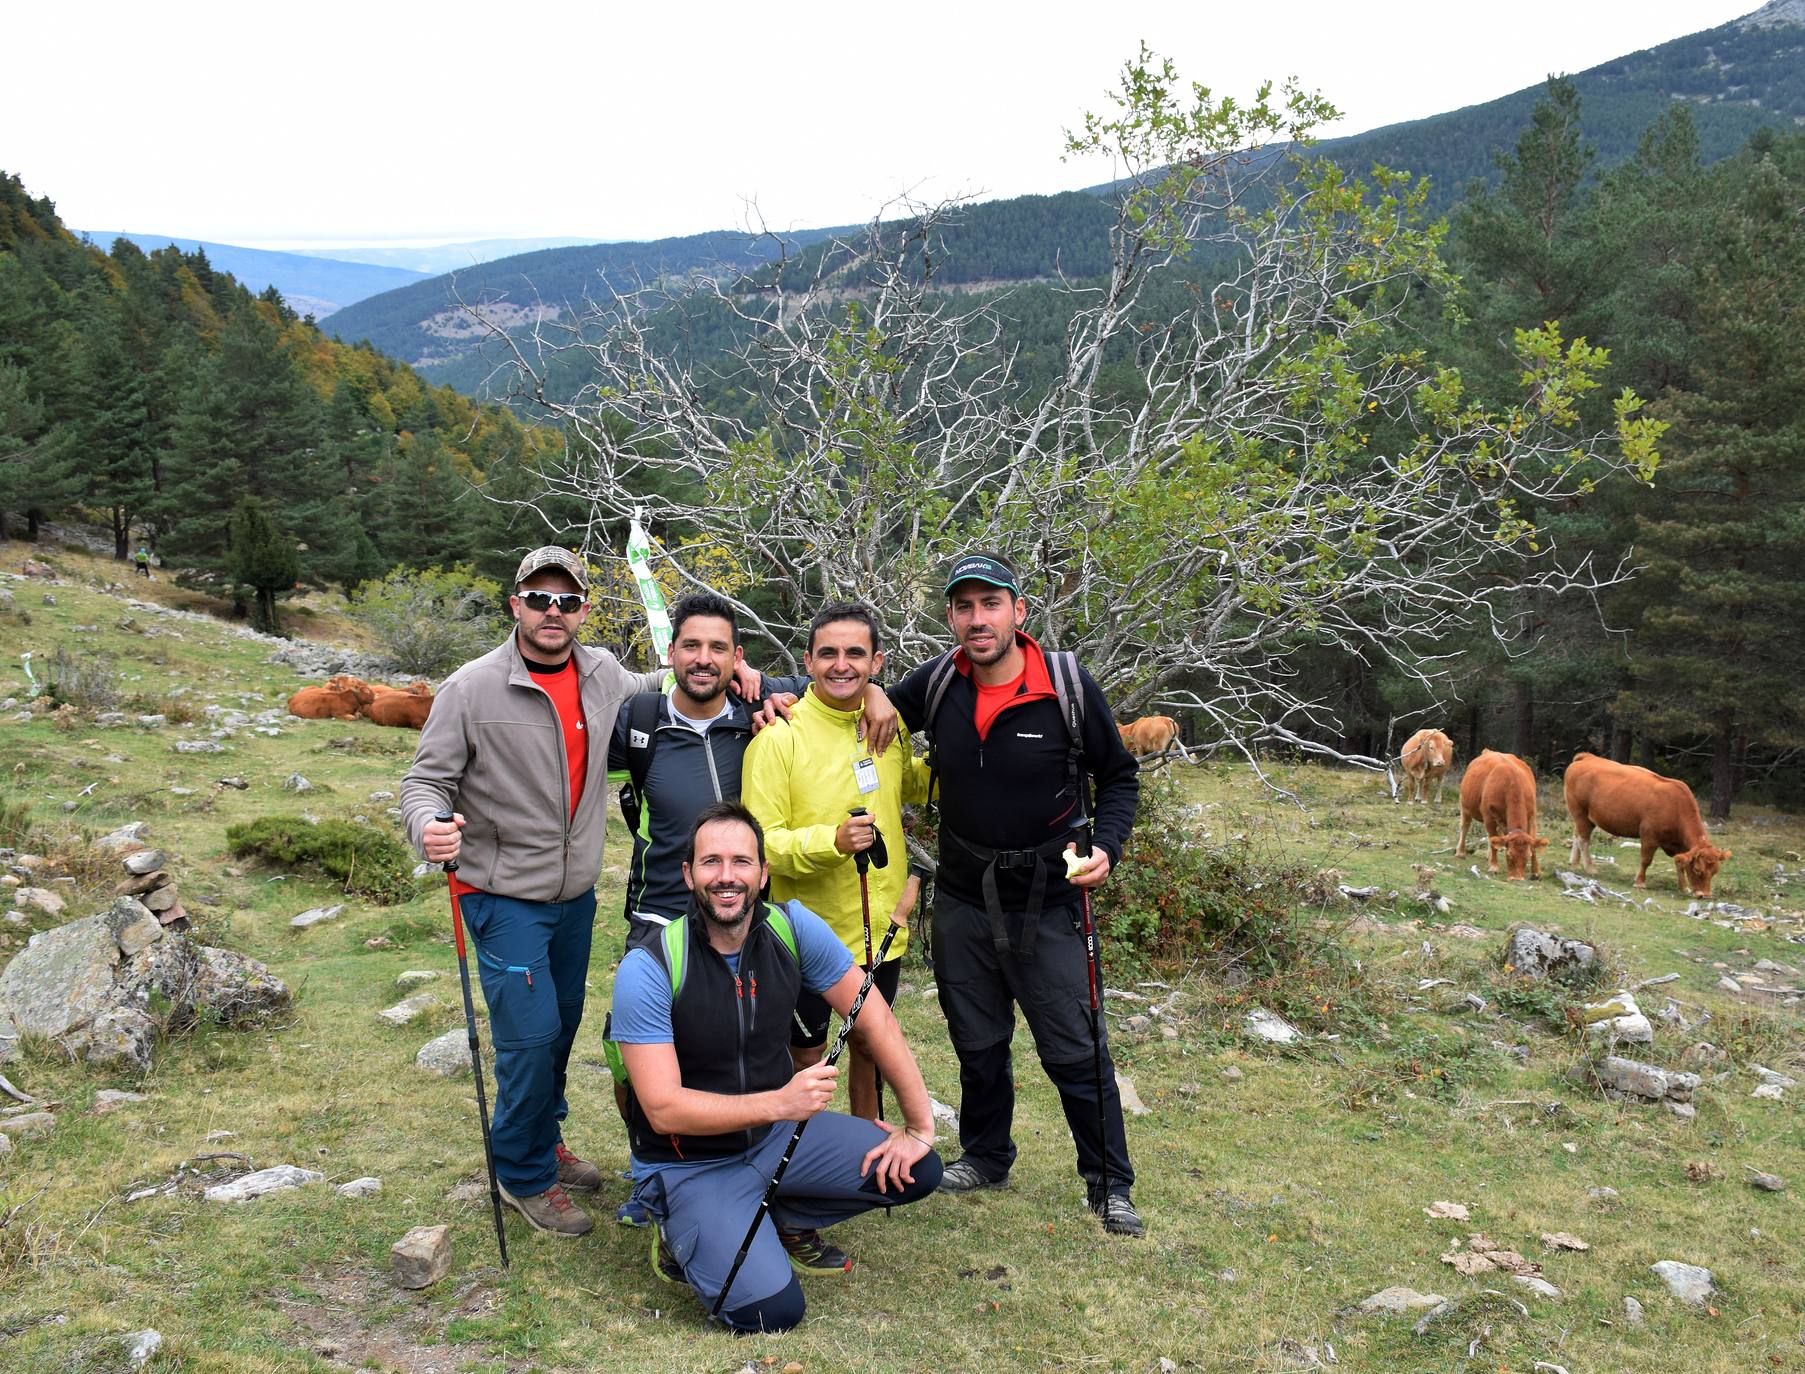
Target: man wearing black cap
[1019,738]
[508,749]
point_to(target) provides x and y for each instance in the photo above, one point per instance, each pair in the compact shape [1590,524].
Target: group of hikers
[737,784]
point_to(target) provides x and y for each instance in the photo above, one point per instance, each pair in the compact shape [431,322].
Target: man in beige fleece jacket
[508,750]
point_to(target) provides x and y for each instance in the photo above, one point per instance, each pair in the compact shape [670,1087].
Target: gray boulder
[105,986]
[126,837]
[1690,1283]
[448,1055]
[1537,954]
[1631,1078]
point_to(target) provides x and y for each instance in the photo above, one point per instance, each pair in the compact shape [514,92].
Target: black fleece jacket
[1009,791]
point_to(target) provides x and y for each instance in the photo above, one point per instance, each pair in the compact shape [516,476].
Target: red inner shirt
[564,688]
[992,700]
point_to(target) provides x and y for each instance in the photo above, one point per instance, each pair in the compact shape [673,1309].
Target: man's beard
[1001,644]
[705,691]
[705,900]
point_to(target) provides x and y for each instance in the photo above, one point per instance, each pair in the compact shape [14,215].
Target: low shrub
[365,861]
[1175,898]
[88,682]
[429,621]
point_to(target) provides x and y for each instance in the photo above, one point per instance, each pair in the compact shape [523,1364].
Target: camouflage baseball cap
[551,556]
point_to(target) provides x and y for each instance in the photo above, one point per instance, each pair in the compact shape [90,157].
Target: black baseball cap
[981,567]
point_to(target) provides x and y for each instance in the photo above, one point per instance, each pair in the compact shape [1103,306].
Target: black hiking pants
[979,989]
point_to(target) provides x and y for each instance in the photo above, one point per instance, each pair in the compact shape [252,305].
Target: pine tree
[263,559]
[1721,649]
[111,432]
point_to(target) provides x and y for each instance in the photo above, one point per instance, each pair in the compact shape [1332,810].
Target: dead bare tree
[1191,532]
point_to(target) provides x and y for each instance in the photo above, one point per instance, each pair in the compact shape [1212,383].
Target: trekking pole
[833,1055]
[1093,965]
[476,1064]
[862,860]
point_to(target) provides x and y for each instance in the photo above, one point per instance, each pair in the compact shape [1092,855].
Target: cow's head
[420,687]
[360,691]
[1518,847]
[1700,866]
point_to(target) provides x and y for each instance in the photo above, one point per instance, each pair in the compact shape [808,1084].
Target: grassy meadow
[1280,1185]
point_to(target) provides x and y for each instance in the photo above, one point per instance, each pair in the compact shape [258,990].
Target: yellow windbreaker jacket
[798,779]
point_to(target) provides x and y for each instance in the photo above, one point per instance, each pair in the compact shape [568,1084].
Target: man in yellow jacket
[803,779]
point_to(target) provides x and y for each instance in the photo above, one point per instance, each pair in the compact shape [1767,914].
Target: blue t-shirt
[642,989]
[642,996]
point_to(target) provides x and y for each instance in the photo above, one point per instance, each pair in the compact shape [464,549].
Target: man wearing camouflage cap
[507,749]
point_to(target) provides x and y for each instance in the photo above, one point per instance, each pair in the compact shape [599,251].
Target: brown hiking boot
[551,1211]
[578,1175]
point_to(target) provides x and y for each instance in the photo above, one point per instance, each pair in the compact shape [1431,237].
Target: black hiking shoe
[812,1253]
[962,1176]
[1115,1210]
[664,1260]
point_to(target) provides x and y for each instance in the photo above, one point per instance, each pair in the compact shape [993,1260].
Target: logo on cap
[979,567]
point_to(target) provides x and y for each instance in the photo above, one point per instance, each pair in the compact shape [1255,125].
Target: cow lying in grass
[407,707]
[339,698]
[1661,812]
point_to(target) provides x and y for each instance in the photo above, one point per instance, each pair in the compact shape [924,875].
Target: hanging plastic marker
[658,617]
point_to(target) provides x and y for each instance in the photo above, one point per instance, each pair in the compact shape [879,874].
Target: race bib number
[864,773]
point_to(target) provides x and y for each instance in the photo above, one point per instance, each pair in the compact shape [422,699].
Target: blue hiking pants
[532,958]
[703,1210]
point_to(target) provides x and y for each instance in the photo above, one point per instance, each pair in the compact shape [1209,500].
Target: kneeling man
[702,1017]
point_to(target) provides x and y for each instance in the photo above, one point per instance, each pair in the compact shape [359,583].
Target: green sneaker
[812,1253]
[664,1262]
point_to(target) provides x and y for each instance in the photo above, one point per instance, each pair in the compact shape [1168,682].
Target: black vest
[731,1031]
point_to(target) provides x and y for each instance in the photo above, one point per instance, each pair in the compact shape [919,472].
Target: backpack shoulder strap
[642,739]
[1062,668]
[779,921]
[940,677]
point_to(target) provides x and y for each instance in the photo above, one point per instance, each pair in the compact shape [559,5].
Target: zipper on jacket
[713,776]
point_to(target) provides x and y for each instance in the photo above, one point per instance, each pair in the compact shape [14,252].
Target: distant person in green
[142,559]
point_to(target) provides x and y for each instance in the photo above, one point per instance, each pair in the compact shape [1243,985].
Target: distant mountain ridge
[1736,77]
[311,286]
[438,258]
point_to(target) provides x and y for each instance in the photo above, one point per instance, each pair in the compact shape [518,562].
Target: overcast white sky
[330,123]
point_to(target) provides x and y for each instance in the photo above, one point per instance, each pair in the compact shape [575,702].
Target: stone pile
[103,986]
[147,879]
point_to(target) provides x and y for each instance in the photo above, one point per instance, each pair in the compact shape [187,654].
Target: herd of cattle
[1499,791]
[348,698]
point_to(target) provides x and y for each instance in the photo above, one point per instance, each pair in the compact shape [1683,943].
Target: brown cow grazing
[1500,791]
[1155,735]
[341,698]
[1427,755]
[1621,799]
[1127,738]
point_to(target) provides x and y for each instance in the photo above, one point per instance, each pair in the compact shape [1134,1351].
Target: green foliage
[368,862]
[263,559]
[1175,897]
[429,621]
